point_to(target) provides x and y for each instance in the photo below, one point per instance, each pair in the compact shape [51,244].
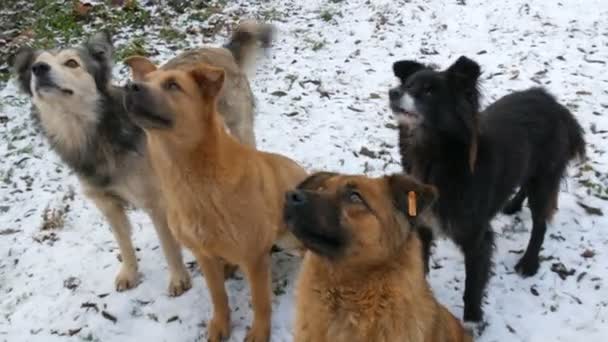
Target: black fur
[314,218]
[115,136]
[477,160]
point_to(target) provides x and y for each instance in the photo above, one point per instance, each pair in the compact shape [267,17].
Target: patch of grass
[200,15]
[271,14]
[136,46]
[117,18]
[326,14]
[53,219]
[4,76]
[170,34]
[55,23]
[314,44]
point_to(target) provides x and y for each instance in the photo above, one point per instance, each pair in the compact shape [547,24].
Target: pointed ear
[411,197]
[316,180]
[140,67]
[21,65]
[100,46]
[210,79]
[464,72]
[404,69]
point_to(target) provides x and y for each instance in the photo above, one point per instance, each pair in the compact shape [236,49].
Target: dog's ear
[209,79]
[463,75]
[409,196]
[100,46]
[140,67]
[21,65]
[314,181]
[406,68]
[464,72]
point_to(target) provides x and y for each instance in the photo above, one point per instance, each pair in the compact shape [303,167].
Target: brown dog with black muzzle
[363,276]
[225,199]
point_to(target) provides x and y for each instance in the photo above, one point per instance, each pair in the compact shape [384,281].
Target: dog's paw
[180,282]
[511,209]
[475,329]
[127,278]
[218,329]
[527,267]
[258,333]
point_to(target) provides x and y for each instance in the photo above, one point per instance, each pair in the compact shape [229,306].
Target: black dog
[477,159]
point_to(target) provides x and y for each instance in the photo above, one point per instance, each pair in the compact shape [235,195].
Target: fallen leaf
[591,210]
[109,316]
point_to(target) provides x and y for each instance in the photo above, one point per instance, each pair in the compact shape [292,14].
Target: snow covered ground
[322,100]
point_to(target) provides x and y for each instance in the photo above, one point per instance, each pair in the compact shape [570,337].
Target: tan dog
[225,199]
[236,100]
[82,115]
[363,277]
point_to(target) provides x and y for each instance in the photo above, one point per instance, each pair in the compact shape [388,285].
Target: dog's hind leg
[542,198]
[515,203]
[478,264]
[179,281]
[114,211]
[218,329]
[258,275]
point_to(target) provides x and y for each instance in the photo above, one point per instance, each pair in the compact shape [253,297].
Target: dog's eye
[355,197]
[71,63]
[172,85]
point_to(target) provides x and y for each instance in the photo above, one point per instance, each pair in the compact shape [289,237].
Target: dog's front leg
[179,281]
[258,275]
[478,264]
[114,212]
[218,328]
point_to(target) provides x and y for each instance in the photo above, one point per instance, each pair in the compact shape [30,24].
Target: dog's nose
[40,68]
[295,197]
[133,87]
[393,94]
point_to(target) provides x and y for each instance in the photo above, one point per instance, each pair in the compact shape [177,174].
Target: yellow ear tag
[411,203]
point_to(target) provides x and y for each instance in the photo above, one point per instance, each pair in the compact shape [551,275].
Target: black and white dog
[84,119]
[478,159]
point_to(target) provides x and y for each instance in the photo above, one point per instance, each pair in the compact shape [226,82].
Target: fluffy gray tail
[246,39]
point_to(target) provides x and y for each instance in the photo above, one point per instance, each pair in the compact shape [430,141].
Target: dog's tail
[576,139]
[246,40]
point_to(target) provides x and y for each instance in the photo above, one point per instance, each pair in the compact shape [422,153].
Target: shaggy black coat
[478,159]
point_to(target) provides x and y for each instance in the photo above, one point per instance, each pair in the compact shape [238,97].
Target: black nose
[295,197]
[133,87]
[40,68]
[394,94]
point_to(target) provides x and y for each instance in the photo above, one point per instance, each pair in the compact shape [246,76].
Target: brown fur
[224,198]
[373,286]
[236,103]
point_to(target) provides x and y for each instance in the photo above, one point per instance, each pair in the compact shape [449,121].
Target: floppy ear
[314,181]
[140,67]
[209,79]
[404,69]
[464,72]
[410,196]
[21,65]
